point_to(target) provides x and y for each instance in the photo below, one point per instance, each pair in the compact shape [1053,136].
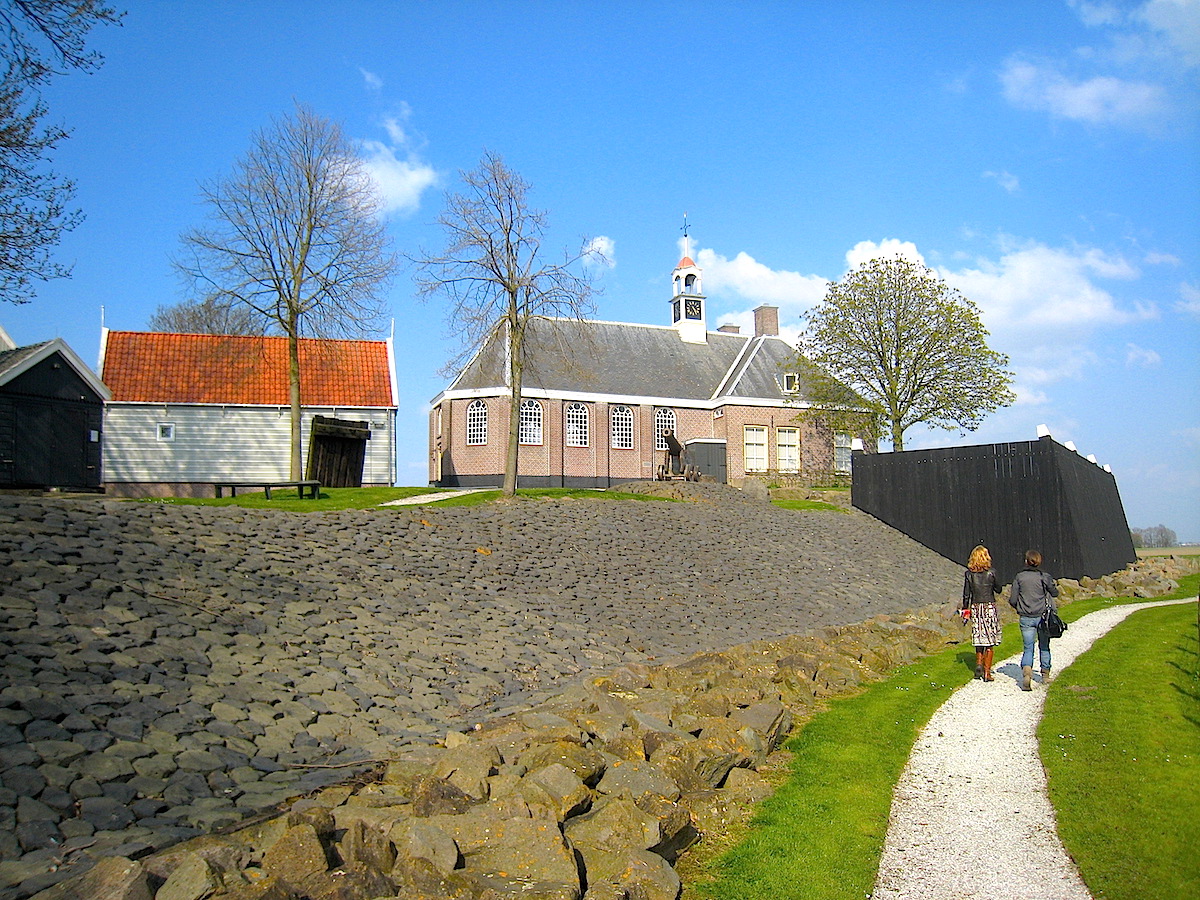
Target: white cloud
[865,251]
[1100,100]
[1006,180]
[1154,258]
[601,251]
[1178,21]
[1034,286]
[1189,299]
[746,277]
[396,168]
[1140,356]
[372,81]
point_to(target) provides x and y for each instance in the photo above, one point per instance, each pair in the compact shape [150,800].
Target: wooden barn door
[337,451]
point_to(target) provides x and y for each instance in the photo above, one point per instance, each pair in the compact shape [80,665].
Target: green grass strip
[331,499]
[804,505]
[1120,740]
[820,836]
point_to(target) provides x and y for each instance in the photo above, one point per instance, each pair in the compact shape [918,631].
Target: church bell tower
[687,300]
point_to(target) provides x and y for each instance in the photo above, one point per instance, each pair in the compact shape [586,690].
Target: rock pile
[166,671]
[592,795]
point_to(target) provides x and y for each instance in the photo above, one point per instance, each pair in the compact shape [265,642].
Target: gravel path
[975,781]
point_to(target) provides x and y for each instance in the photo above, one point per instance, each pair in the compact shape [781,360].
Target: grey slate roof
[11,360]
[629,360]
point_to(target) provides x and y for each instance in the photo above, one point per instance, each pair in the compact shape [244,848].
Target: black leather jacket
[980,587]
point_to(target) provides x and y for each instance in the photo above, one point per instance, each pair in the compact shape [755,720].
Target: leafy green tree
[38,39]
[894,345]
[296,240]
[495,278]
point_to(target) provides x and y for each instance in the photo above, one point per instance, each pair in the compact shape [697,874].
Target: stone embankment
[168,671]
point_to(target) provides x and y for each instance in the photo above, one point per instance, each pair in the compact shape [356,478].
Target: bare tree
[207,316]
[38,39]
[494,277]
[296,239]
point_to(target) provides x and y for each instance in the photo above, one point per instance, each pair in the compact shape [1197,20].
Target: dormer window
[791,382]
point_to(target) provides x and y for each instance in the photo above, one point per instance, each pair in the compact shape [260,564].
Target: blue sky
[1043,157]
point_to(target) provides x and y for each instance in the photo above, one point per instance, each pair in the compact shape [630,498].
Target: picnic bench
[306,489]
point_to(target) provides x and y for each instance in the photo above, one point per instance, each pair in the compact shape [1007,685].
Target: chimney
[766,321]
[730,329]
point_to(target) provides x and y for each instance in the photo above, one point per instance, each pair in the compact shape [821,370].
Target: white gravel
[970,815]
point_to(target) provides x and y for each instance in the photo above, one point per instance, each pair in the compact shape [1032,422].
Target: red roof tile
[154,367]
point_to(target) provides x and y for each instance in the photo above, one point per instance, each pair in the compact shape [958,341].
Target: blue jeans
[1031,633]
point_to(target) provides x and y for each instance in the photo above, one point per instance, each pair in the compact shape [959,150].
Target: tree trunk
[897,437]
[297,469]
[515,351]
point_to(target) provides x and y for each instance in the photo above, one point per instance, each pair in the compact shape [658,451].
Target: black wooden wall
[1009,497]
[50,429]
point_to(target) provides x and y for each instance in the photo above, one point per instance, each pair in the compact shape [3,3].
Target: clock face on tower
[675,311]
[692,309]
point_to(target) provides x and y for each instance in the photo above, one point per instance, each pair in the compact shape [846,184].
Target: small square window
[791,382]
[166,431]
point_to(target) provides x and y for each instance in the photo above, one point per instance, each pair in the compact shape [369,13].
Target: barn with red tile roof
[190,410]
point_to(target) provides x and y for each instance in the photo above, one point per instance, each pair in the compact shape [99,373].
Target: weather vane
[686,247]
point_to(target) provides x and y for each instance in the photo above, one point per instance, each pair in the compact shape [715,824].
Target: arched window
[531,422]
[477,422]
[663,419]
[622,428]
[577,425]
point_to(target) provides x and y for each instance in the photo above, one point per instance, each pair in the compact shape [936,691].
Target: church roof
[685,263]
[569,356]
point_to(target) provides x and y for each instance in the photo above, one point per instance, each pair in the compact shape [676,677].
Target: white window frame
[841,453]
[477,423]
[663,419]
[791,382]
[577,424]
[621,428]
[530,430]
[165,432]
[754,462]
[788,451]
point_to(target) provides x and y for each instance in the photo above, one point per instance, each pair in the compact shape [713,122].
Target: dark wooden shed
[51,418]
[337,449]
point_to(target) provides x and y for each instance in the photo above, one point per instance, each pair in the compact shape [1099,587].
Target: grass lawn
[1120,740]
[369,498]
[807,505]
[820,836]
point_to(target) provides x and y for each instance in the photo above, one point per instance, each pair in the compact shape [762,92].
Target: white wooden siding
[233,443]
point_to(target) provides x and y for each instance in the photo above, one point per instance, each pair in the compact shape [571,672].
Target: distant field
[1193,550]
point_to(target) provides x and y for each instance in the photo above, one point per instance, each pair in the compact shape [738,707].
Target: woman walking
[980,588]
[1032,591]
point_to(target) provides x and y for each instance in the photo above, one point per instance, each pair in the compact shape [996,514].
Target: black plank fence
[1010,497]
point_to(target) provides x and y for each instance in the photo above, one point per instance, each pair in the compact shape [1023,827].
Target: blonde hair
[980,560]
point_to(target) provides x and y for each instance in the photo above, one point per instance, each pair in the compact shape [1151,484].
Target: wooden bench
[306,489]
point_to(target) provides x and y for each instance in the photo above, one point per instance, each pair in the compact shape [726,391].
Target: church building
[598,397]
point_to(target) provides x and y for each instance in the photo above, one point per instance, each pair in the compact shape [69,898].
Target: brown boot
[1045,675]
[988,655]
[979,657]
[1027,678]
